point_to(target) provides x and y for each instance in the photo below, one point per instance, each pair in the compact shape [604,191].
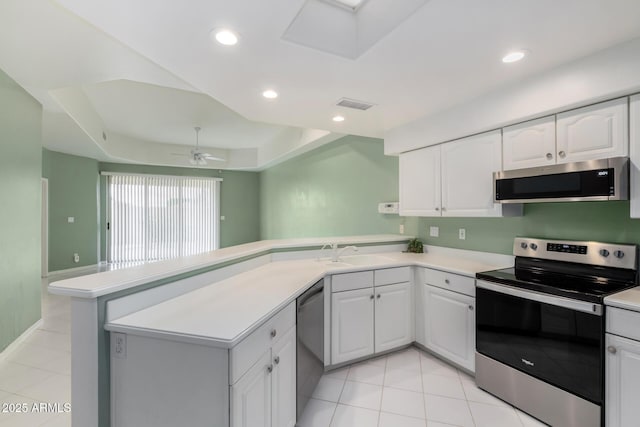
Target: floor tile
[362,395]
[435,366]
[466,378]
[443,386]
[64,420]
[55,389]
[493,416]
[317,413]
[15,377]
[60,324]
[378,361]
[338,373]
[403,379]
[447,410]
[528,421]
[35,356]
[437,424]
[408,359]
[328,388]
[475,394]
[50,340]
[402,402]
[366,373]
[395,420]
[26,417]
[349,416]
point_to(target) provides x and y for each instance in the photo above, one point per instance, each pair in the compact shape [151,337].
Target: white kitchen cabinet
[420,182]
[529,144]
[251,396]
[266,394]
[351,325]
[394,322]
[634,155]
[595,132]
[622,381]
[467,175]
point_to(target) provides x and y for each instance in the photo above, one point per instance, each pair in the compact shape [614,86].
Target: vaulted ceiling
[143,73]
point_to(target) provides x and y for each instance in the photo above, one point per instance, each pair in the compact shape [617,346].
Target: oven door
[557,340]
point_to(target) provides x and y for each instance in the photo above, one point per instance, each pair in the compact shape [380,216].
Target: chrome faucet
[337,253]
[334,249]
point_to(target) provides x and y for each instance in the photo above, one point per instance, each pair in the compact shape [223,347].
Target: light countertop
[224,313]
[628,299]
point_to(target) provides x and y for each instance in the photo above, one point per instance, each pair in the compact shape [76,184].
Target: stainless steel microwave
[605,179]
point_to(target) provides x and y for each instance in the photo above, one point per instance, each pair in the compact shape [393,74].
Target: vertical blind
[160,217]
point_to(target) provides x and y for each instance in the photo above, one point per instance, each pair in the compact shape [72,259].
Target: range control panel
[593,253]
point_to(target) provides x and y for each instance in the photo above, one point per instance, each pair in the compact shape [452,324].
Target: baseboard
[19,341]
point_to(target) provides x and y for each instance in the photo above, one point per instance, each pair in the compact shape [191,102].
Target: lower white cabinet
[351,324]
[266,395]
[372,319]
[623,381]
[449,325]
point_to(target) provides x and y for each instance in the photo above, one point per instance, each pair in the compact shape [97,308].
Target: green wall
[20,234]
[239,201]
[73,186]
[331,191]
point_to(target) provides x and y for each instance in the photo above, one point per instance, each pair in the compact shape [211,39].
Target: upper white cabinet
[420,182]
[634,154]
[452,179]
[529,144]
[595,132]
[467,175]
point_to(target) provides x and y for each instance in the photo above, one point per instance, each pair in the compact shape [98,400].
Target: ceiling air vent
[352,103]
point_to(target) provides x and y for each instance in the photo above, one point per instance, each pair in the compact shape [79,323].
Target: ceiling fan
[198,157]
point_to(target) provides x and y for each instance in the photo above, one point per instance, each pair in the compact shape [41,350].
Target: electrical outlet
[119,345]
[462,234]
[222,218]
[76,258]
[71,219]
[434,231]
[401,228]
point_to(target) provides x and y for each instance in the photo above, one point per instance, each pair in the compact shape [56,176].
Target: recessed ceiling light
[338,119]
[225,37]
[514,56]
[270,94]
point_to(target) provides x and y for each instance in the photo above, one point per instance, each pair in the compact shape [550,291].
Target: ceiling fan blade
[211,157]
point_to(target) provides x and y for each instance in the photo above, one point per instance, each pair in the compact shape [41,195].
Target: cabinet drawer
[351,281]
[389,276]
[249,350]
[453,282]
[623,322]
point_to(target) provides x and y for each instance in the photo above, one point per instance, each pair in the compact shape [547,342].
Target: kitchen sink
[365,259]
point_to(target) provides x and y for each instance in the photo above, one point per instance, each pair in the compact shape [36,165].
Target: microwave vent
[355,104]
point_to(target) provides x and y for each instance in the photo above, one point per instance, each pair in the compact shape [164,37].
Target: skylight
[352,5]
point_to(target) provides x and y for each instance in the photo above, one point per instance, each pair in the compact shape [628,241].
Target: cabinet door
[251,395]
[467,175]
[283,381]
[394,321]
[529,144]
[420,182]
[450,325]
[634,154]
[351,325]
[622,381]
[595,132]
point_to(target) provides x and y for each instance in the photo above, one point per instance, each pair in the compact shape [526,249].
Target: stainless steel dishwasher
[310,343]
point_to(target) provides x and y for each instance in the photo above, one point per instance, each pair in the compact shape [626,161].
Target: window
[159,217]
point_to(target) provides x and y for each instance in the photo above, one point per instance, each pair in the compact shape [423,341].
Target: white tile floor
[39,370]
[404,389]
[409,388]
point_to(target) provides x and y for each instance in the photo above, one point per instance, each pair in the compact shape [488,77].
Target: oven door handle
[585,307]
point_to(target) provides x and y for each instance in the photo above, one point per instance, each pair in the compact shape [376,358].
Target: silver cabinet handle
[561,154]
[471,307]
[371,297]
[378,296]
[274,333]
[446,281]
[611,349]
[437,209]
[549,156]
[276,360]
[269,369]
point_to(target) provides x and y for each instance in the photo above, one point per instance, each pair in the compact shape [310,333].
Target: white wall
[604,75]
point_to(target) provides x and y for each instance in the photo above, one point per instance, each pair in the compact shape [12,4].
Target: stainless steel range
[540,327]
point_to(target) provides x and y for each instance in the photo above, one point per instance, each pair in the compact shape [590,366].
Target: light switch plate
[434,231]
[71,219]
[462,234]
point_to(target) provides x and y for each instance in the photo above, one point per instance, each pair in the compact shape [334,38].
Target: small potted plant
[415,246]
